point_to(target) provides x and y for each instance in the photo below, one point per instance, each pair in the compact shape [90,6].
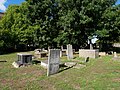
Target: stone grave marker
[53,61]
[39,53]
[24,58]
[116,57]
[89,53]
[91,46]
[60,53]
[115,54]
[69,52]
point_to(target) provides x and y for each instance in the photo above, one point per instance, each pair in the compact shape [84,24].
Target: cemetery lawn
[99,74]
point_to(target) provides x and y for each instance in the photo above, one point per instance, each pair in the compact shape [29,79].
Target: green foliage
[79,19]
[53,23]
[109,27]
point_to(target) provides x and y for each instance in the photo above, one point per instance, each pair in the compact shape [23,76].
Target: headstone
[63,51]
[115,54]
[60,53]
[53,61]
[69,52]
[61,47]
[91,46]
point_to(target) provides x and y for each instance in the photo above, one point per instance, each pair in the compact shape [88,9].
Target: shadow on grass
[3,61]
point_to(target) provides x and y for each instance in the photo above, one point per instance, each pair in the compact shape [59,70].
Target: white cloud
[2,6]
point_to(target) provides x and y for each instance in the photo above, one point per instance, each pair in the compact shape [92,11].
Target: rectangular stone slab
[24,57]
[89,53]
[53,61]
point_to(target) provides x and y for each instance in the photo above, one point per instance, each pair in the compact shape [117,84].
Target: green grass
[99,74]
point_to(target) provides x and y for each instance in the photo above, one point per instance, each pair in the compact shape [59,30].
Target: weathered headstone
[91,46]
[53,61]
[115,54]
[60,53]
[69,52]
[61,47]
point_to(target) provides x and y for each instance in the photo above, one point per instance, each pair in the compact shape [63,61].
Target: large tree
[109,26]
[44,14]
[7,37]
[57,22]
[79,19]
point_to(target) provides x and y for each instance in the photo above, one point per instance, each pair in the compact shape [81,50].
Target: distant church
[1,14]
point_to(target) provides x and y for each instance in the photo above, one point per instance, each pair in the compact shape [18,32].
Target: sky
[5,3]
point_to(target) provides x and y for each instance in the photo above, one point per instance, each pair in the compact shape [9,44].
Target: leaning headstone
[69,52]
[53,61]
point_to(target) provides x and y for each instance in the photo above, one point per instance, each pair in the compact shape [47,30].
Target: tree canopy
[53,23]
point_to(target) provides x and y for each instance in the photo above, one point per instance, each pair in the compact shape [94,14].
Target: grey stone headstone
[115,54]
[53,61]
[69,52]
[91,46]
[61,47]
[60,53]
